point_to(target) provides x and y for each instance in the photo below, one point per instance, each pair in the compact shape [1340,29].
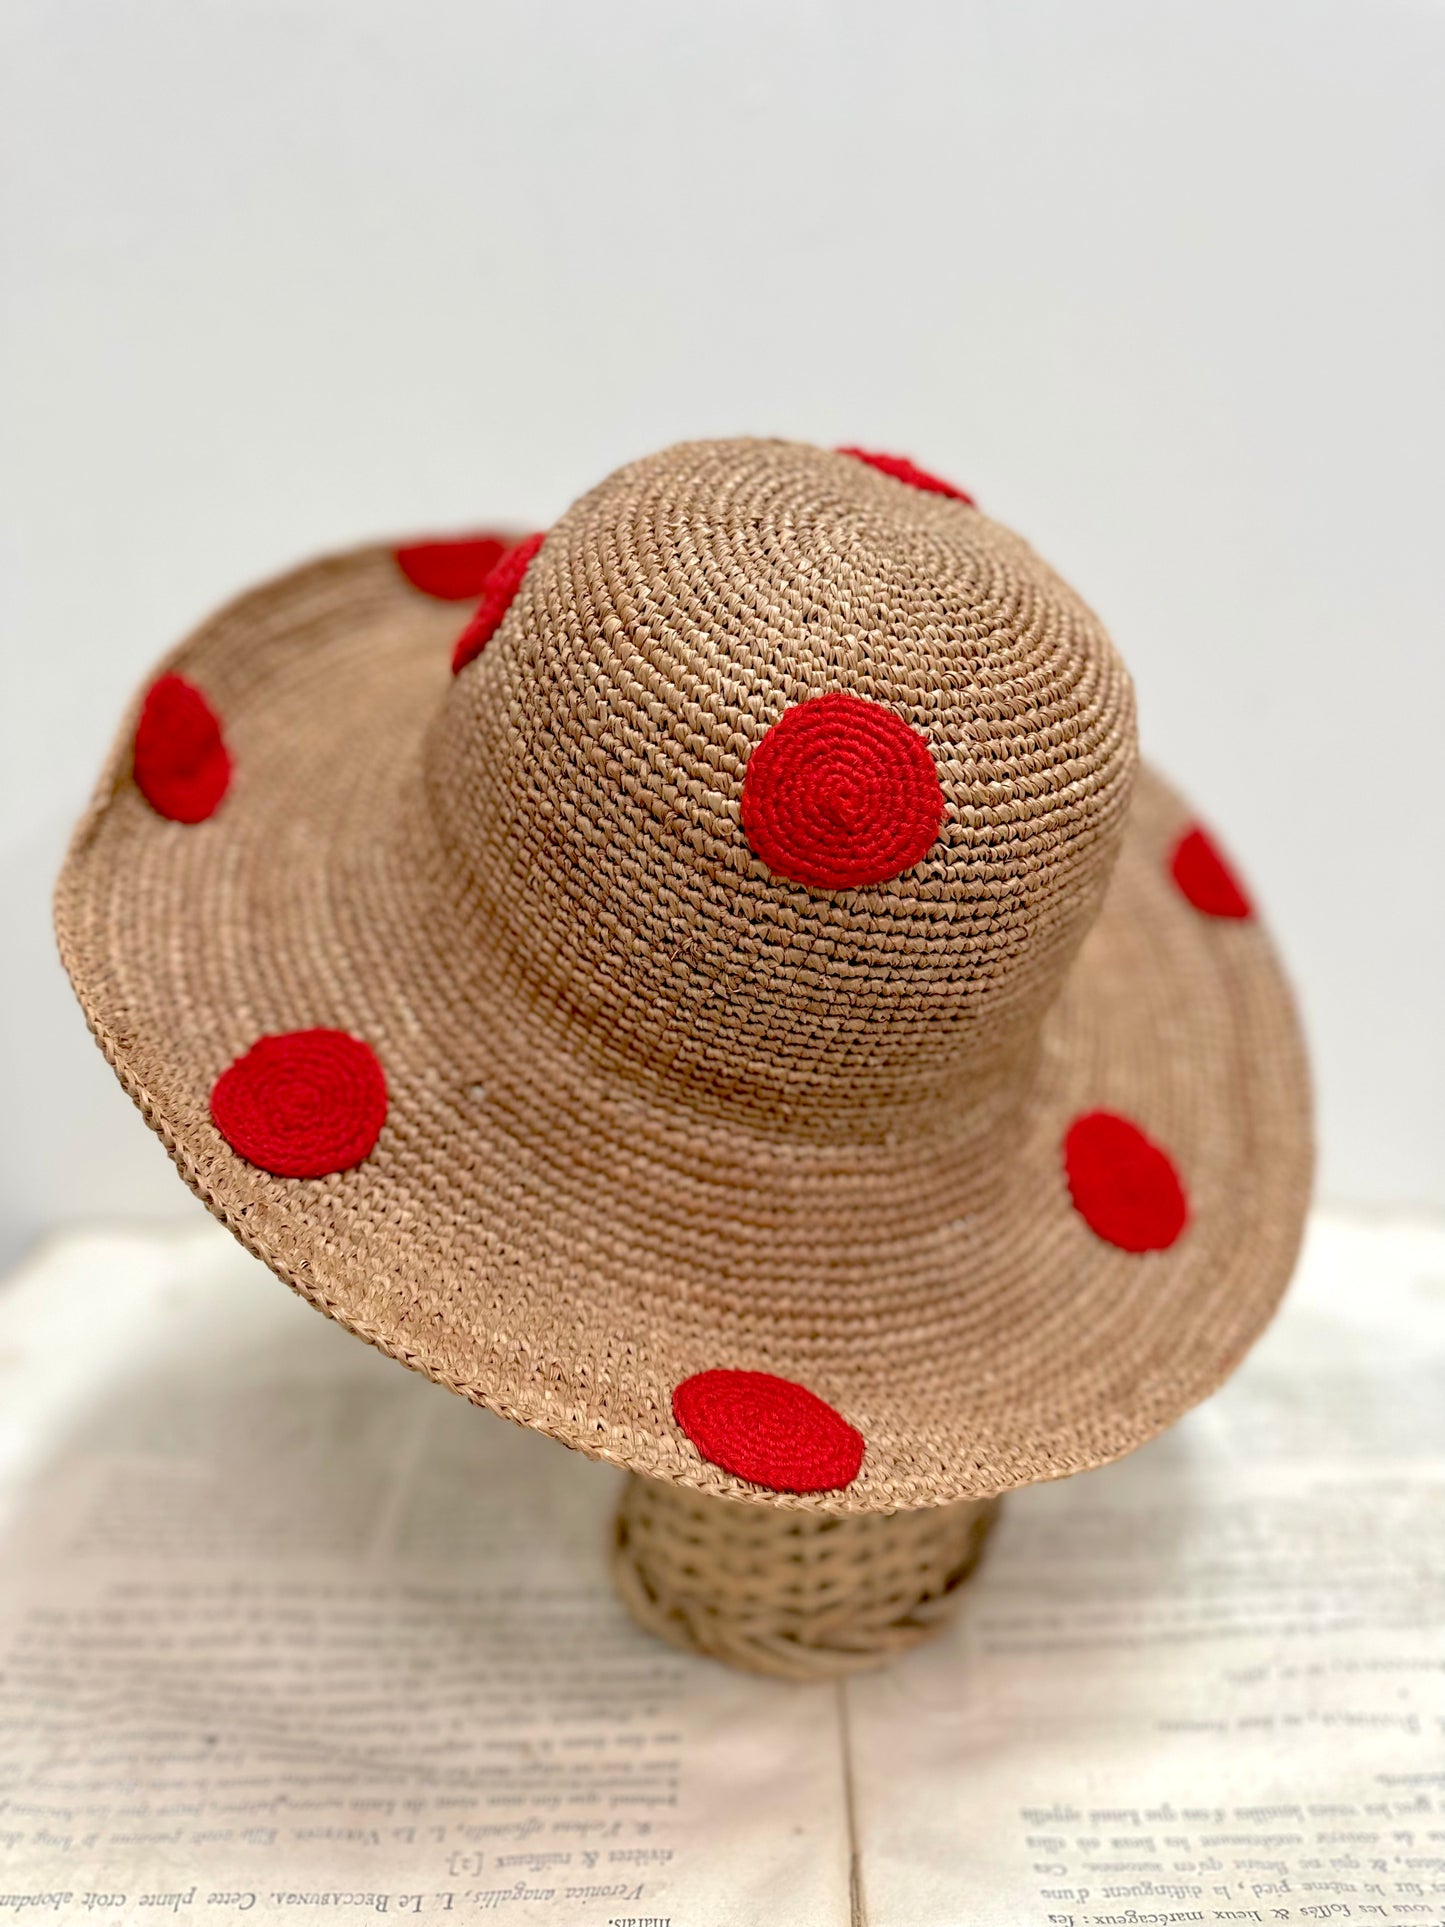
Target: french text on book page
[1207,1683]
[287,1632]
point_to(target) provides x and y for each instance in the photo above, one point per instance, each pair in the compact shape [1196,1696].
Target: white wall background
[1162,283]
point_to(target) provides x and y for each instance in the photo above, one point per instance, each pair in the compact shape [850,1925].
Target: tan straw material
[798,1595]
[653,1109]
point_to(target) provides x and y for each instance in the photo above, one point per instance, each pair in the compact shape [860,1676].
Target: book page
[1207,1683]
[284,1630]
[288,1632]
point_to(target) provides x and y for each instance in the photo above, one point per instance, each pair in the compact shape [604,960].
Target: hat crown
[586,774]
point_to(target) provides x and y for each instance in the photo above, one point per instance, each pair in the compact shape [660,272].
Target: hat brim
[564,1252]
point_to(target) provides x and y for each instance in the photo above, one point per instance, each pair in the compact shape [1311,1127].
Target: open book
[287,1632]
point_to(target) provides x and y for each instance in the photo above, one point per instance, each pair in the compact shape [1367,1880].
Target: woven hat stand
[799,1595]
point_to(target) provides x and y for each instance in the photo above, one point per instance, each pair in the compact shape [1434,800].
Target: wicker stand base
[793,1594]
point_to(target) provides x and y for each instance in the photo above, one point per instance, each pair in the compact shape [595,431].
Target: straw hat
[739,1006]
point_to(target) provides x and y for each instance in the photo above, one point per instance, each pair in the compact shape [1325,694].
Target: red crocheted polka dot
[502,585]
[1206,879]
[768,1430]
[452,570]
[181,764]
[302,1103]
[902,470]
[841,792]
[1123,1186]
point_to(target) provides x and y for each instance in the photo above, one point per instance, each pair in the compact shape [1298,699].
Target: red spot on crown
[302,1103]
[768,1430]
[180,761]
[452,568]
[1206,879]
[902,470]
[841,792]
[497,597]
[1123,1186]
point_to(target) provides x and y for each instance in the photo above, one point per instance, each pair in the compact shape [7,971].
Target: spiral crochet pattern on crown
[592,776]
[841,792]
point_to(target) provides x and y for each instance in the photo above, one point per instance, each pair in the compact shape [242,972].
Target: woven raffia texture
[790,1593]
[585,779]
[653,1108]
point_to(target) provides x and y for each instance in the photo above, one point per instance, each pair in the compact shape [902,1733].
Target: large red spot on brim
[841,792]
[452,568]
[902,470]
[180,761]
[1205,879]
[768,1430]
[1124,1186]
[497,597]
[302,1103]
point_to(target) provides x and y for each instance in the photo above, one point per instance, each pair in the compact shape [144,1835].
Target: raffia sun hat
[729,997]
